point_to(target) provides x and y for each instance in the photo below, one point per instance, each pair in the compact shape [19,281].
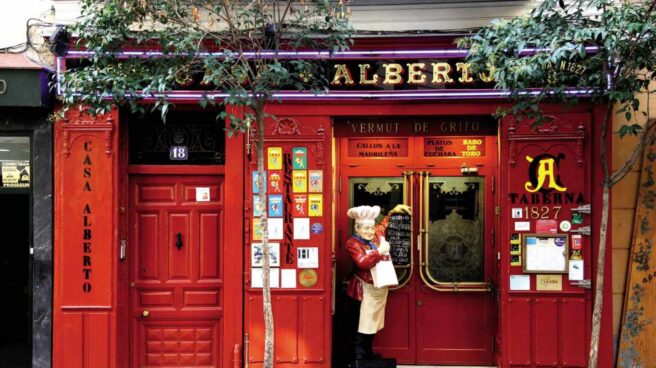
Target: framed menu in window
[545,253]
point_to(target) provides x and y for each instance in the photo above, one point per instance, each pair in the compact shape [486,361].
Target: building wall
[14,19]
[623,207]
[34,121]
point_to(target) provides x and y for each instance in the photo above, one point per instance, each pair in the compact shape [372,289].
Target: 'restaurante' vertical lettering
[87,220]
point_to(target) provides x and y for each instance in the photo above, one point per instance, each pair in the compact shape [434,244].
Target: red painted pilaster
[86,239]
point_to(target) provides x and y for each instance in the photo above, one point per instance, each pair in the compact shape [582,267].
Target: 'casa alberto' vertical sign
[87,183]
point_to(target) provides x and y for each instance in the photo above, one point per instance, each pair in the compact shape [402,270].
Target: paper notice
[288,279]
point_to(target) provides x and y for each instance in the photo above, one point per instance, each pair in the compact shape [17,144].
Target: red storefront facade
[156,263]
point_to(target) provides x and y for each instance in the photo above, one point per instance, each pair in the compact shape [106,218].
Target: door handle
[178,242]
[145,313]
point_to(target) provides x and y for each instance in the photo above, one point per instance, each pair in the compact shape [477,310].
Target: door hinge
[494,182]
[586,208]
[339,185]
[493,238]
[584,230]
[31,250]
[497,210]
[585,284]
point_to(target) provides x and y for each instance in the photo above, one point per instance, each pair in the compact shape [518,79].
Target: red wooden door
[444,311]
[177,272]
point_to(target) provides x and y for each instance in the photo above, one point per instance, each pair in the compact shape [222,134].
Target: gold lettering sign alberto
[417,74]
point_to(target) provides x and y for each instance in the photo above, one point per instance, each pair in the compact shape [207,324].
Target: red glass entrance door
[177,270]
[444,310]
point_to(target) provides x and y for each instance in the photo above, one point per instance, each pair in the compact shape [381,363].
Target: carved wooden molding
[314,141]
[79,123]
[286,126]
[554,131]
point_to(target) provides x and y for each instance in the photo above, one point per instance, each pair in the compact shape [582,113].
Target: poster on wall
[275,205]
[15,174]
[274,158]
[300,158]
[308,257]
[288,278]
[256,188]
[257,255]
[300,181]
[275,185]
[302,228]
[316,181]
[315,205]
[300,205]
[256,277]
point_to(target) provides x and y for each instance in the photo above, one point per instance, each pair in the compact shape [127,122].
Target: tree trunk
[599,288]
[603,231]
[266,282]
[609,180]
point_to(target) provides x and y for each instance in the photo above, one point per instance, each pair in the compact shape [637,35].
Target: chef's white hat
[364,214]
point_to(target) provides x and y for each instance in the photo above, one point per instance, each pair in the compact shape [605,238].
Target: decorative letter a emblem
[541,171]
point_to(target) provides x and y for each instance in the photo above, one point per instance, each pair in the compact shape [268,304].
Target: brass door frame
[422,246]
[421,240]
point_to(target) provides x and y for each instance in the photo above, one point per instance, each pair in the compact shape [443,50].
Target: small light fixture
[468,170]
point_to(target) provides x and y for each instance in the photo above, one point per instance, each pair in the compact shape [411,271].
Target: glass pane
[385,192]
[187,138]
[455,229]
[15,162]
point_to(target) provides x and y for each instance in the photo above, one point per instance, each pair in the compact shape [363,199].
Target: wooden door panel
[168,344]
[313,347]
[575,331]
[177,299]
[209,230]
[147,253]
[159,298]
[200,298]
[150,194]
[460,328]
[546,332]
[397,339]
[179,258]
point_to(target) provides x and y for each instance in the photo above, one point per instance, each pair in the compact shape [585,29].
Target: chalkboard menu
[399,235]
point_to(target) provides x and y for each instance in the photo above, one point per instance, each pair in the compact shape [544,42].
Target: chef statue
[366,248]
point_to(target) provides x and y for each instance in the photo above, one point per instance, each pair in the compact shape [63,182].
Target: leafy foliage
[545,53]
[230,46]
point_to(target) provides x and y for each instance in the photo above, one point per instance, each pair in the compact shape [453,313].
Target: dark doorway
[16,320]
